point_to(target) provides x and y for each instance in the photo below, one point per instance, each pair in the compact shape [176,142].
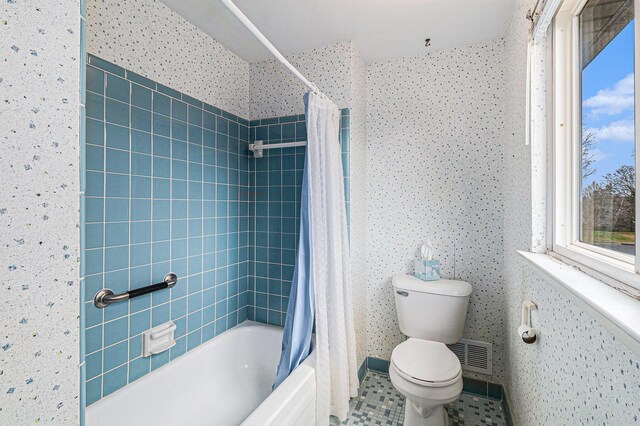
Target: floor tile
[378,403]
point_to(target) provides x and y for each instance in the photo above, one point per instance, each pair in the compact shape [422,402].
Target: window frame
[617,269]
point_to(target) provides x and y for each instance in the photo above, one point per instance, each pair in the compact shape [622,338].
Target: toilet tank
[431,310]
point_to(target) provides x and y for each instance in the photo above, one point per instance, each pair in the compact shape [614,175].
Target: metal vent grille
[474,355]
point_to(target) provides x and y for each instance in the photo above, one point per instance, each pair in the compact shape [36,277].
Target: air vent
[473,355]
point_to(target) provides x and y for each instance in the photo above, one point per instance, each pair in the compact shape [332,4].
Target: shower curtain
[322,277]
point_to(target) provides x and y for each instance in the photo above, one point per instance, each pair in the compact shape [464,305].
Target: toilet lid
[426,361]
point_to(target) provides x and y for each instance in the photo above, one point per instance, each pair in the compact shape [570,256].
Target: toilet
[431,314]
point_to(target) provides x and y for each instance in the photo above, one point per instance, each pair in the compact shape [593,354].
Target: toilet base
[413,416]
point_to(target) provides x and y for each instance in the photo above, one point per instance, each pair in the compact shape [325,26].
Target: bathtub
[226,381]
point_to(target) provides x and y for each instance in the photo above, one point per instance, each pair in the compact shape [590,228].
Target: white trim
[637,116]
[616,269]
[614,310]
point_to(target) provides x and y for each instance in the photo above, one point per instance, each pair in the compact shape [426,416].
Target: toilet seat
[426,363]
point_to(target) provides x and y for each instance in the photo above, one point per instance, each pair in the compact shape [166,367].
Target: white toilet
[423,369]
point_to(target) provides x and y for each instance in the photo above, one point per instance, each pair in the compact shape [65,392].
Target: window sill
[615,311]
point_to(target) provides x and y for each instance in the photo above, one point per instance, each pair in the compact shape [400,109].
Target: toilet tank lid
[443,287]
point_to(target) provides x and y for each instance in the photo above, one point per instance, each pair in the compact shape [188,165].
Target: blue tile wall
[276,185]
[167,181]
[171,186]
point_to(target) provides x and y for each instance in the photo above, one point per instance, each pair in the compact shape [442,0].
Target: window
[595,137]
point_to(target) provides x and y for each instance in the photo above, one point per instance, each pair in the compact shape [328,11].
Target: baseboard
[377,364]
[362,371]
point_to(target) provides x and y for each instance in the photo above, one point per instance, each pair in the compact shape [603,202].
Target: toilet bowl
[423,369]
[429,376]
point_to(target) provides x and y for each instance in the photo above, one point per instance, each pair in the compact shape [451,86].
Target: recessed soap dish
[158,339]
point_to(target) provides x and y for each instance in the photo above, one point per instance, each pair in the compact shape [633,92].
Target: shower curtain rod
[256,32]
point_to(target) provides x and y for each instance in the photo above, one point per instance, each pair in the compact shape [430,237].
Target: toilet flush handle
[402,293]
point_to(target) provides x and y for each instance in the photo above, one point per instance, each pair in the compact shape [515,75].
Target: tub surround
[172,186]
[275,188]
[167,190]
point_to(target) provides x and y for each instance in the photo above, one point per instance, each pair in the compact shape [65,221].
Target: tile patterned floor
[378,403]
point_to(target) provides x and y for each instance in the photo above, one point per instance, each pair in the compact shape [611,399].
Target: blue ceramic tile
[161,210]
[141,231]
[160,315]
[116,355]
[95,184]
[115,331]
[140,142]
[161,167]
[94,158]
[117,88]
[141,80]
[94,132]
[168,91]
[377,364]
[138,368]
[159,360]
[92,284]
[117,137]
[193,340]
[95,106]
[116,234]
[135,347]
[161,104]
[117,162]
[192,101]
[194,135]
[141,164]
[140,119]
[140,97]
[161,146]
[115,380]
[116,258]
[140,187]
[94,235]
[195,116]
[93,338]
[107,66]
[117,112]
[178,130]
[209,121]
[178,110]
[117,185]
[93,390]
[212,109]
[94,364]
[161,125]
[95,80]
[140,322]
[140,255]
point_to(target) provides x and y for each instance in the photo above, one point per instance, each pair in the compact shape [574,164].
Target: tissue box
[427,270]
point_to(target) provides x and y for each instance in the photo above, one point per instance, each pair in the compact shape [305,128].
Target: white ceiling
[380,29]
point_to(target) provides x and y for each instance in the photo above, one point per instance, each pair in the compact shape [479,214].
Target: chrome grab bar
[105,297]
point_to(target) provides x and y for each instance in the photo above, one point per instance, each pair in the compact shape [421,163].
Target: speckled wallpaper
[148,38]
[276,92]
[577,373]
[435,149]
[39,212]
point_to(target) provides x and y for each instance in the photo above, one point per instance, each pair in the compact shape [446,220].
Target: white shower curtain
[336,371]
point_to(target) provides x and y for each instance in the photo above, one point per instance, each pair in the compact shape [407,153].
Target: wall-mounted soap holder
[158,339]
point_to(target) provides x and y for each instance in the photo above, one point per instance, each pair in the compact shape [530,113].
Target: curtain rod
[256,32]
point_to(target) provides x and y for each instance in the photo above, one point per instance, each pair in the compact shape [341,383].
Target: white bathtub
[226,381]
